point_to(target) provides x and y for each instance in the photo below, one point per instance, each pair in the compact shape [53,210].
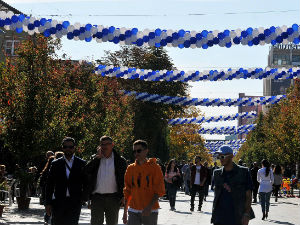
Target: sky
[178,14]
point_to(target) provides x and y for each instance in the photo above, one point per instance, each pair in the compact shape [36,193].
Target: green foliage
[277,135]
[44,99]
[150,119]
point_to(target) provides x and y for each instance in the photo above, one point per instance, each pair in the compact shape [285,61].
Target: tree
[185,141]
[44,99]
[150,119]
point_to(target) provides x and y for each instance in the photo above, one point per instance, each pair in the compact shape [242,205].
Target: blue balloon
[255,41]
[284,35]
[236,40]
[163,42]
[19,30]
[261,37]
[88,26]
[66,24]
[169,39]
[210,43]
[7,21]
[37,23]
[89,39]
[82,29]
[187,44]
[296,41]
[2,23]
[59,27]
[181,46]
[221,36]
[21,17]
[111,29]
[43,21]
[216,41]
[250,30]
[205,46]
[295,27]
[199,36]
[157,32]
[273,29]
[146,39]
[244,34]
[279,39]
[267,32]
[226,33]
[151,35]
[105,31]
[181,33]
[139,42]
[228,45]
[52,30]
[14,19]
[175,36]
[47,33]
[204,33]
[76,32]
[31,26]
[290,31]
[250,43]
[134,31]
[157,45]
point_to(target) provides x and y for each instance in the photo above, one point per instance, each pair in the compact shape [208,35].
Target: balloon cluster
[245,129]
[210,75]
[244,115]
[213,149]
[220,143]
[148,37]
[186,101]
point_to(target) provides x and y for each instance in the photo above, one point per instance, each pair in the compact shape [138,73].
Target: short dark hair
[68,139]
[143,143]
[106,138]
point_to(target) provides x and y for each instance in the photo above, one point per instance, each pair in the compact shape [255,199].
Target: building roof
[6,7]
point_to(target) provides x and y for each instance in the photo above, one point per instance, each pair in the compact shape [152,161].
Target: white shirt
[197,177]
[106,178]
[70,164]
[265,182]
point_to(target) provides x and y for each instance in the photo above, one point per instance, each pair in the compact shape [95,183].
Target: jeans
[187,187]
[138,219]
[194,190]
[172,190]
[265,201]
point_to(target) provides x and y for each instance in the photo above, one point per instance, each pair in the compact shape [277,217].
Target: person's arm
[272,176]
[127,194]
[246,216]
[205,177]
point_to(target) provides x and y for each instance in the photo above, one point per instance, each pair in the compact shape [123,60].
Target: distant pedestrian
[144,184]
[186,174]
[208,180]
[266,179]
[212,175]
[198,178]
[277,180]
[233,186]
[172,177]
[254,171]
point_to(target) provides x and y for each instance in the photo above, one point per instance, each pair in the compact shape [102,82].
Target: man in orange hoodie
[144,184]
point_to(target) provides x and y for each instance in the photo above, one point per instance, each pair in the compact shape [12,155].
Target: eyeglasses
[222,156]
[137,151]
[68,146]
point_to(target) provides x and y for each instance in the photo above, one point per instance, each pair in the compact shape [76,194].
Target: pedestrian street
[284,212]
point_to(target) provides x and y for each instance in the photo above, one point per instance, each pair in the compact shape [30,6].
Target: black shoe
[266,215]
[192,209]
[199,209]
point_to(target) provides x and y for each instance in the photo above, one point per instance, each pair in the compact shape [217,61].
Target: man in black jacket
[65,185]
[105,177]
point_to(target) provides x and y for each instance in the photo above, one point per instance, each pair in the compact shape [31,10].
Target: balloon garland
[186,101]
[155,38]
[244,115]
[211,75]
[228,130]
[220,143]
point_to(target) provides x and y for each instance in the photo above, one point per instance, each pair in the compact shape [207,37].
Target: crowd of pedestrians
[108,182]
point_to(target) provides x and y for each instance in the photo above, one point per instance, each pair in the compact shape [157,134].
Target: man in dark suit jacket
[65,185]
[105,176]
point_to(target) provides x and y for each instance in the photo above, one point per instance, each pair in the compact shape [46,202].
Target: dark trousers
[276,191]
[194,190]
[138,219]
[172,190]
[66,212]
[108,204]
[254,193]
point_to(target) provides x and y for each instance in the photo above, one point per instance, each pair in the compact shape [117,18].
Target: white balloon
[25,28]
[94,30]
[71,28]
[2,14]
[284,28]
[215,33]
[64,31]
[25,22]
[285,41]
[87,34]
[133,38]
[81,37]
[100,28]
[151,43]
[164,35]
[76,38]
[100,41]
[117,33]
[30,32]
[232,34]
[255,32]
[41,29]
[169,32]
[210,36]
[140,34]
[9,14]
[128,41]
[122,30]
[157,39]
[58,35]
[187,36]
[110,37]
[238,32]
[169,45]
[7,27]
[278,31]
[31,19]
[47,25]
[36,30]
[193,46]
[77,26]
[198,44]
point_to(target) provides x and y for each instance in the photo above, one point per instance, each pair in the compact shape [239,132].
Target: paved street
[285,212]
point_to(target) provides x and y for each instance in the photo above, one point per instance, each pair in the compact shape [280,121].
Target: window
[283,59]
[10,47]
[296,60]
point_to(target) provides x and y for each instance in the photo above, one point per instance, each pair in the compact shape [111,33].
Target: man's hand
[48,210]
[99,153]
[245,220]
[146,211]
[125,218]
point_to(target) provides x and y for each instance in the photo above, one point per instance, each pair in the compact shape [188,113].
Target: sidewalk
[286,212]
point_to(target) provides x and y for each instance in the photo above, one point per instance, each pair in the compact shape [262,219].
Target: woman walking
[172,177]
[277,180]
[266,179]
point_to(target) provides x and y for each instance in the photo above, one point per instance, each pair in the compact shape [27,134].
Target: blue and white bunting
[186,101]
[244,115]
[150,37]
[193,76]
[245,129]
